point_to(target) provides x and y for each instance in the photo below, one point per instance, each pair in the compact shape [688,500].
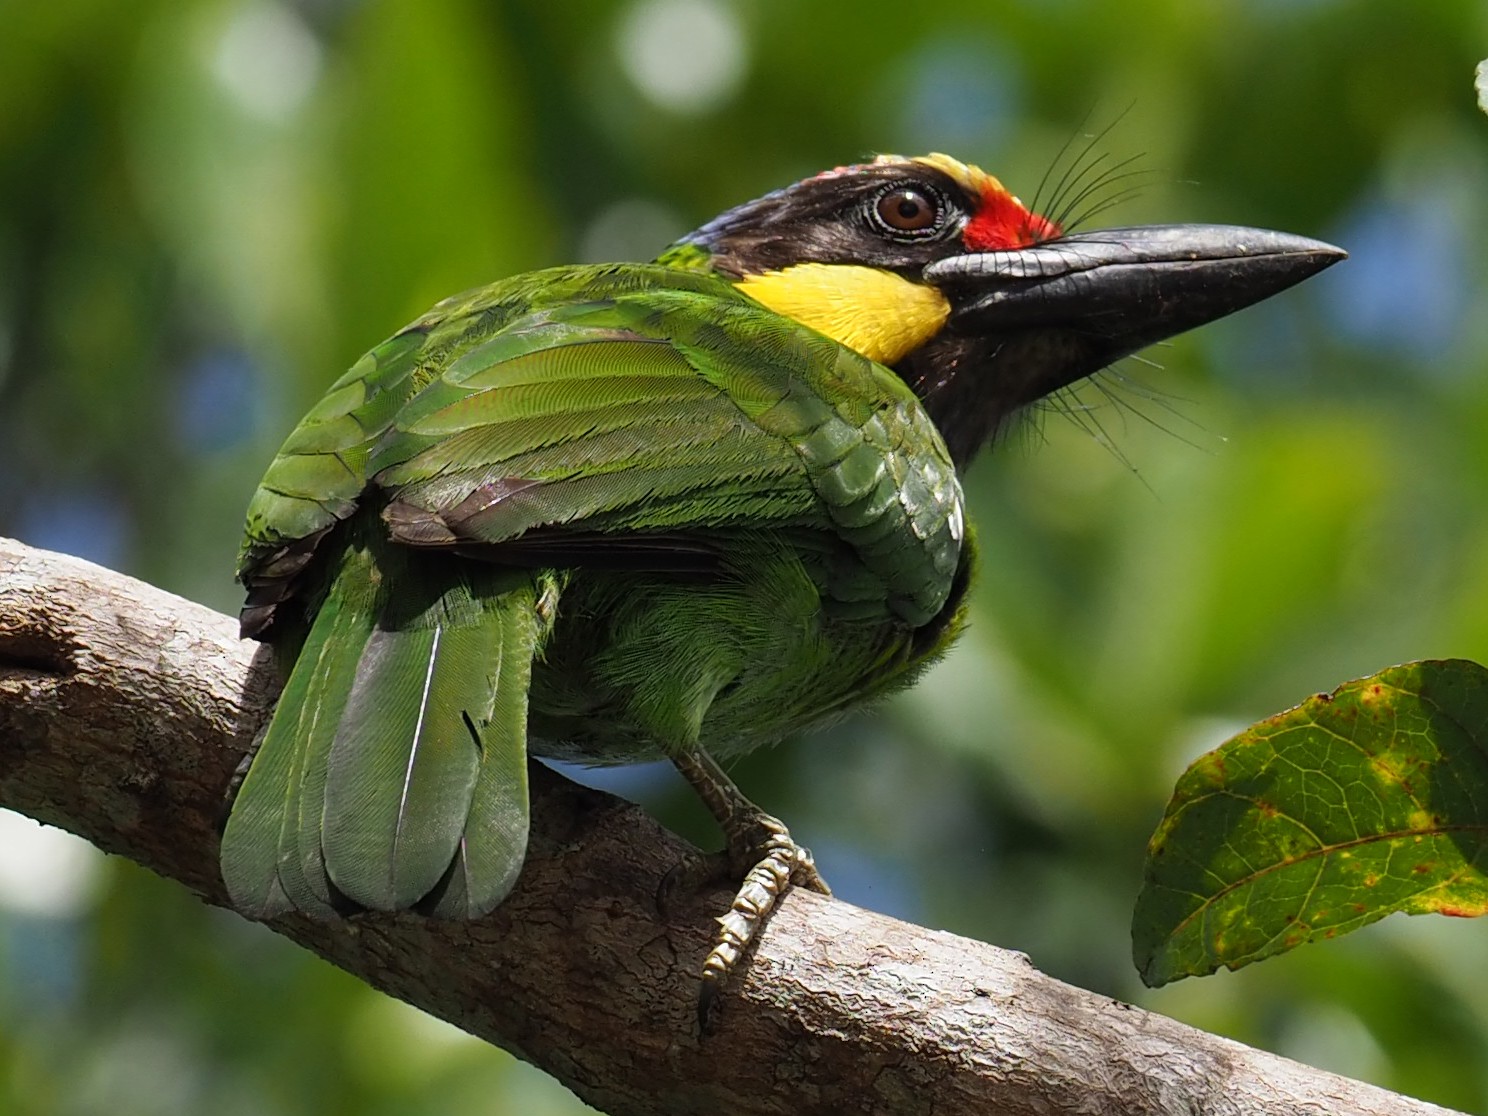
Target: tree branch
[124,711]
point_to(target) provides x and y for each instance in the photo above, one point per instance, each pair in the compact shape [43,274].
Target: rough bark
[124,711]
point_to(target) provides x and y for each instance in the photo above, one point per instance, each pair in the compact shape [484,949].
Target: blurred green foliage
[209,208]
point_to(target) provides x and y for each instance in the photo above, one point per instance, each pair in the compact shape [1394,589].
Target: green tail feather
[394,772]
[262,863]
[494,842]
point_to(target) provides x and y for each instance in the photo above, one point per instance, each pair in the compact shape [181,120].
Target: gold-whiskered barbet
[681,509]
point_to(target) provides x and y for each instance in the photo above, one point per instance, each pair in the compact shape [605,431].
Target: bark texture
[125,710]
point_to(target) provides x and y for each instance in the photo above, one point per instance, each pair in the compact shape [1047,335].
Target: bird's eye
[908,209]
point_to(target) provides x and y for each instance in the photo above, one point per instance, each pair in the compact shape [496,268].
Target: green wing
[613,414]
[317,478]
[631,428]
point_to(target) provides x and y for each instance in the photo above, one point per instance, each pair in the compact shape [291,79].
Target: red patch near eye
[1002,222]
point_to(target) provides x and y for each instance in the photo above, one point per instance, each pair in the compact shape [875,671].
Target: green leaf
[1322,819]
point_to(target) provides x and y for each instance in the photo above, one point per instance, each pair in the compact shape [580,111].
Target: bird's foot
[760,852]
[772,863]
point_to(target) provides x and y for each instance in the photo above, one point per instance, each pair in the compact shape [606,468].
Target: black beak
[1026,322]
[1125,288]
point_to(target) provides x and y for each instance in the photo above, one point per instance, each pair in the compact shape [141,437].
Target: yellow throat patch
[877,313]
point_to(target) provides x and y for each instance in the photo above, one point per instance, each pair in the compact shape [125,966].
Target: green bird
[681,509]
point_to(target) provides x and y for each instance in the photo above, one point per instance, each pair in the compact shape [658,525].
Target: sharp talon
[707,1008]
[805,874]
[761,851]
[784,863]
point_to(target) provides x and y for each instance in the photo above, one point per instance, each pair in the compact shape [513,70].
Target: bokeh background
[209,208]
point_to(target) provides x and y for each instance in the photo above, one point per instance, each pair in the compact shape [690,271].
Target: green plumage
[629,512]
[602,513]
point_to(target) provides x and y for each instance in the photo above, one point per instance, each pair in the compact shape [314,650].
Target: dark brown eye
[907,209]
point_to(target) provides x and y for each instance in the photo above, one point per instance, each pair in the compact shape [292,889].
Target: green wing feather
[637,410]
[630,401]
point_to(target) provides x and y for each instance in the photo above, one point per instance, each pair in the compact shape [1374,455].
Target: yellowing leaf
[1322,819]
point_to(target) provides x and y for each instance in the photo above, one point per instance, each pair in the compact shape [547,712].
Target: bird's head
[982,306]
